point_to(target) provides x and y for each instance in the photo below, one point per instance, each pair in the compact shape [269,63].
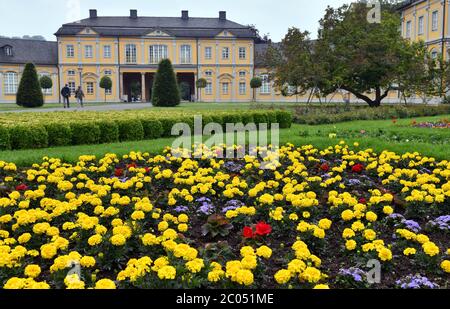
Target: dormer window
[8,51]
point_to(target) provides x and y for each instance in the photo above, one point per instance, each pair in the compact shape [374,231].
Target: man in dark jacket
[65,92]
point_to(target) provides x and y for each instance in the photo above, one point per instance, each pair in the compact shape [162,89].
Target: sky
[44,17]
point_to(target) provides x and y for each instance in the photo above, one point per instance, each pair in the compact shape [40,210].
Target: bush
[247,118]
[59,134]
[165,88]
[271,117]
[85,133]
[260,117]
[284,118]
[167,124]
[29,93]
[26,137]
[5,139]
[153,128]
[232,118]
[130,130]
[109,131]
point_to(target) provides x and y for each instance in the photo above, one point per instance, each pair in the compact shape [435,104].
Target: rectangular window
[70,51]
[265,88]
[242,74]
[434,21]
[90,88]
[225,53]
[185,55]
[71,86]
[71,72]
[158,53]
[209,89]
[130,53]
[88,51]
[108,72]
[242,53]
[10,82]
[107,51]
[408,29]
[242,88]
[434,55]
[208,53]
[225,88]
[420,26]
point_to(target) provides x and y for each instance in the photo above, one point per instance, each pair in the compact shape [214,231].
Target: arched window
[10,82]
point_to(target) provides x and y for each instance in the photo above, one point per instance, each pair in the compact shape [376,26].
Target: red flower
[118,172]
[248,232]
[325,167]
[147,170]
[131,165]
[362,201]
[357,168]
[263,229]
[22,187]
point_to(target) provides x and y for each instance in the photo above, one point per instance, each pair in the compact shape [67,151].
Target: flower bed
[442,124]
[41,130]
[312,221]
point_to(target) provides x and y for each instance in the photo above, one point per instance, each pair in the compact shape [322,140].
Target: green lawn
[298,135]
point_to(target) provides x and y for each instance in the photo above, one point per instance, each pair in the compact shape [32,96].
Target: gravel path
[76,107]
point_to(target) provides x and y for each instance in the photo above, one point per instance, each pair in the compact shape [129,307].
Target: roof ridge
[35,40]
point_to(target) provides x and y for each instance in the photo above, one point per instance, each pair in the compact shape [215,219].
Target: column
[195,88]
[142,51]
[143,89]
[121,92]
[174,51]
[97,96]
[1,86]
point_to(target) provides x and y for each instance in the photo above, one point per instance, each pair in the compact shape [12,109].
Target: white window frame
[88,51]
[157,53]
[71,73]
[185,54]
[209,73]
[208,53]
[131,53]
[408,29]
[420,25]
[225,53]
[242,74]
[107,51]
[108,72]
[90,88]
[72,86]
[225,88]
[70,51]
[11,82]
[209,88]
[242,88]
[435,21]
[8,51]
[242,53]
[266,86]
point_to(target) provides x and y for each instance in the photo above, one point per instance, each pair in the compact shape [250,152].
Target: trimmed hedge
[85,133]
[98,130]
[59,134]
[28,137]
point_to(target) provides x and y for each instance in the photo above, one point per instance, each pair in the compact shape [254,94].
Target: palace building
[128,49]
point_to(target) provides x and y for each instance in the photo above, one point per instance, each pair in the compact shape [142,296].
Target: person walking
[79,94]
[65,92]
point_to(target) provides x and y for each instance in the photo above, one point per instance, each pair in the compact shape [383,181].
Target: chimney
[133,14]
[92,13]
[185,15]
[223,15]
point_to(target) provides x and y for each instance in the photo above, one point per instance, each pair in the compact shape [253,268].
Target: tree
[29,93]
[255,83]
[360,57]
[201,84]
[106,84]
[46,82]
[165,88]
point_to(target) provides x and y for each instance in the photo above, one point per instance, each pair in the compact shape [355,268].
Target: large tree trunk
[372,103]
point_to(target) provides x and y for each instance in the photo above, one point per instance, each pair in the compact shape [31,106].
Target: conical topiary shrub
[165,87]
[29,93]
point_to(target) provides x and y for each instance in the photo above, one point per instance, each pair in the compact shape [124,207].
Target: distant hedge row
[79,132]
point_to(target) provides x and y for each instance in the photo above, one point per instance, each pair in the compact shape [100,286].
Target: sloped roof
[260,52]
[35,51]
[179,27]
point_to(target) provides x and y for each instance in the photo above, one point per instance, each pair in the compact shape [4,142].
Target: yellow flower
[264,252]
[296,266]
[325,224]
[385,254]
[195,265]
[32,271]
[95,240]
[388,210]
[183,227]
[244,277]
[138,215]
[283,276]
[87,261]
[105,284]
[445,265]
[167,273]
[430,248]
[311,275]
[369,234]
[409,251]
[350,245]
[319,233]
[48,251]
[162,226]
[371,216]
[347,215]
[183,218]
[215,275]
[118,240]
[324,286]
[24,238]
[247,250]
[348,233]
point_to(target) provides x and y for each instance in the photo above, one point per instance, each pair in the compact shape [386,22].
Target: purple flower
[356,273]
[412,225]
[181,209]
[232,205]
[442,222]
[416,282]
